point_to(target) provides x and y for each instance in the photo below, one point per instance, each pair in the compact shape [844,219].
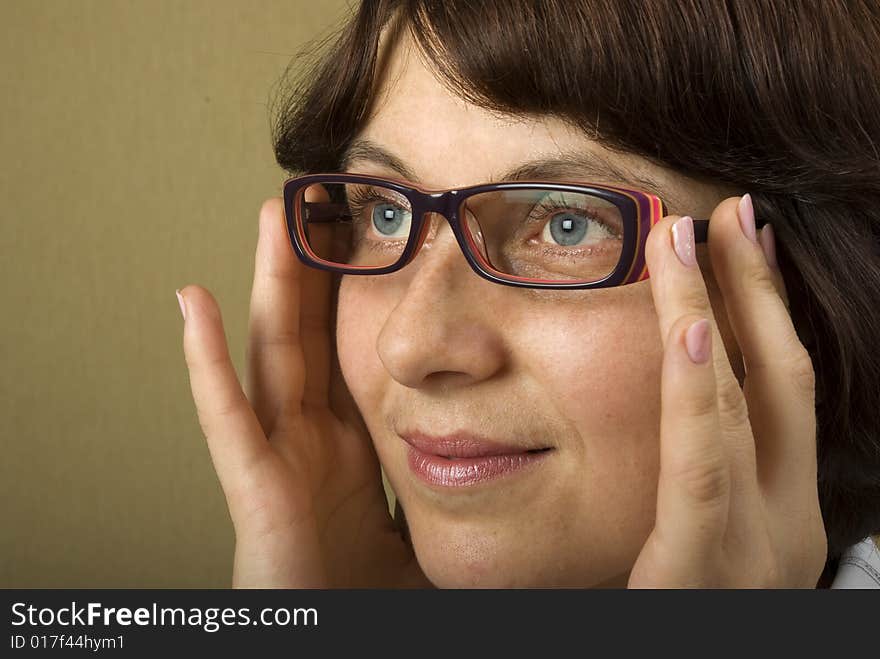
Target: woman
[712,424]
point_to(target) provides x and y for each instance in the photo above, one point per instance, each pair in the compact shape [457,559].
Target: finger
[767,240]
[317,328]
[233,433]
[679,290]
[779,385]
[275,363]
[317,305]
[694,488]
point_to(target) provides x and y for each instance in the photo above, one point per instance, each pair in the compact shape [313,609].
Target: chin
[471,558]
[451,574]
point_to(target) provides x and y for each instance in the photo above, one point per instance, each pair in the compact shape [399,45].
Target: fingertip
[272,205]
[730,205]
[182,303]
[768,246]
[659,236]
[274,253]
[200,304]
[666,221]
[271,209]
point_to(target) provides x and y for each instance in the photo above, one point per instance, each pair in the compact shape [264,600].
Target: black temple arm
[325,211]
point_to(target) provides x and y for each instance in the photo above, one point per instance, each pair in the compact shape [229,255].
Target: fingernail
[768,244]
[182,304]
[696,340]
[683,240]
[746,214]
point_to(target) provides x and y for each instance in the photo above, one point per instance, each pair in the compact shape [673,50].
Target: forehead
[443,138]
[448,142]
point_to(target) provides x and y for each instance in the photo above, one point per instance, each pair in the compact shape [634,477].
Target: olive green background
[136,154]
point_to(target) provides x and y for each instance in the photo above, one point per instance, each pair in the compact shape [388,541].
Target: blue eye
[568,228]
[388,219]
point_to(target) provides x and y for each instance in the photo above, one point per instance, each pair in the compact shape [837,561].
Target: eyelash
[357,200]
[543,213]
[553,207]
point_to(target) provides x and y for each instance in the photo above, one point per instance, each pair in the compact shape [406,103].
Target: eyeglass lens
[534,233]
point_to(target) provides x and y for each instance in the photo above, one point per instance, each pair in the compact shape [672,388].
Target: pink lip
[463,459]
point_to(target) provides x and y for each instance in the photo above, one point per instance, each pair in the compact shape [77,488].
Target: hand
[737,499]
[294,457]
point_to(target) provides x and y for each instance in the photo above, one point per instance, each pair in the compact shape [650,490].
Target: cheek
[592,370]
[356,332]
[604,379]
[600,368]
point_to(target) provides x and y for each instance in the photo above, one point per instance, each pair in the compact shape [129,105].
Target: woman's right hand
[294,457]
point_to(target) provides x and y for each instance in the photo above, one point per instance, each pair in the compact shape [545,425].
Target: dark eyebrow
[361,149]
[568,166]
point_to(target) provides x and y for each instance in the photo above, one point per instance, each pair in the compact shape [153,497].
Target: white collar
[859,566]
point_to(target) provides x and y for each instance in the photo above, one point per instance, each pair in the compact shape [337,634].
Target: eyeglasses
[525,234]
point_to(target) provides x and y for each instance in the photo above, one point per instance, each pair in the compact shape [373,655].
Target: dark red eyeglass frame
[639,210]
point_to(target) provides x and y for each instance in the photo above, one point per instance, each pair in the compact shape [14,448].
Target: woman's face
[437,349]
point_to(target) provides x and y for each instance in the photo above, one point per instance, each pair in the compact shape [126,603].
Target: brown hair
[776,97]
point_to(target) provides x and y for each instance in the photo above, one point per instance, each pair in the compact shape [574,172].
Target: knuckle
[705,479]
[228,406]
[803,375]
[217,413]
[259,340]
[732,404]
[703,405]
[757,278]
[695,299]
[208,362]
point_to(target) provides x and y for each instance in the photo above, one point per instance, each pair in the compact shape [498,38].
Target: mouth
[531,450]
[463,459]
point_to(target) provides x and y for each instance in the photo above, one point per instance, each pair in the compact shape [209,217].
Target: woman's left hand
[737,497]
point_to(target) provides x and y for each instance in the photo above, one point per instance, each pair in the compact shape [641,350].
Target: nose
[445,327]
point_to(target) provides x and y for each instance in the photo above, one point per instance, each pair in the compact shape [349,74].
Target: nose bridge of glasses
[428,205]
[444,203]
